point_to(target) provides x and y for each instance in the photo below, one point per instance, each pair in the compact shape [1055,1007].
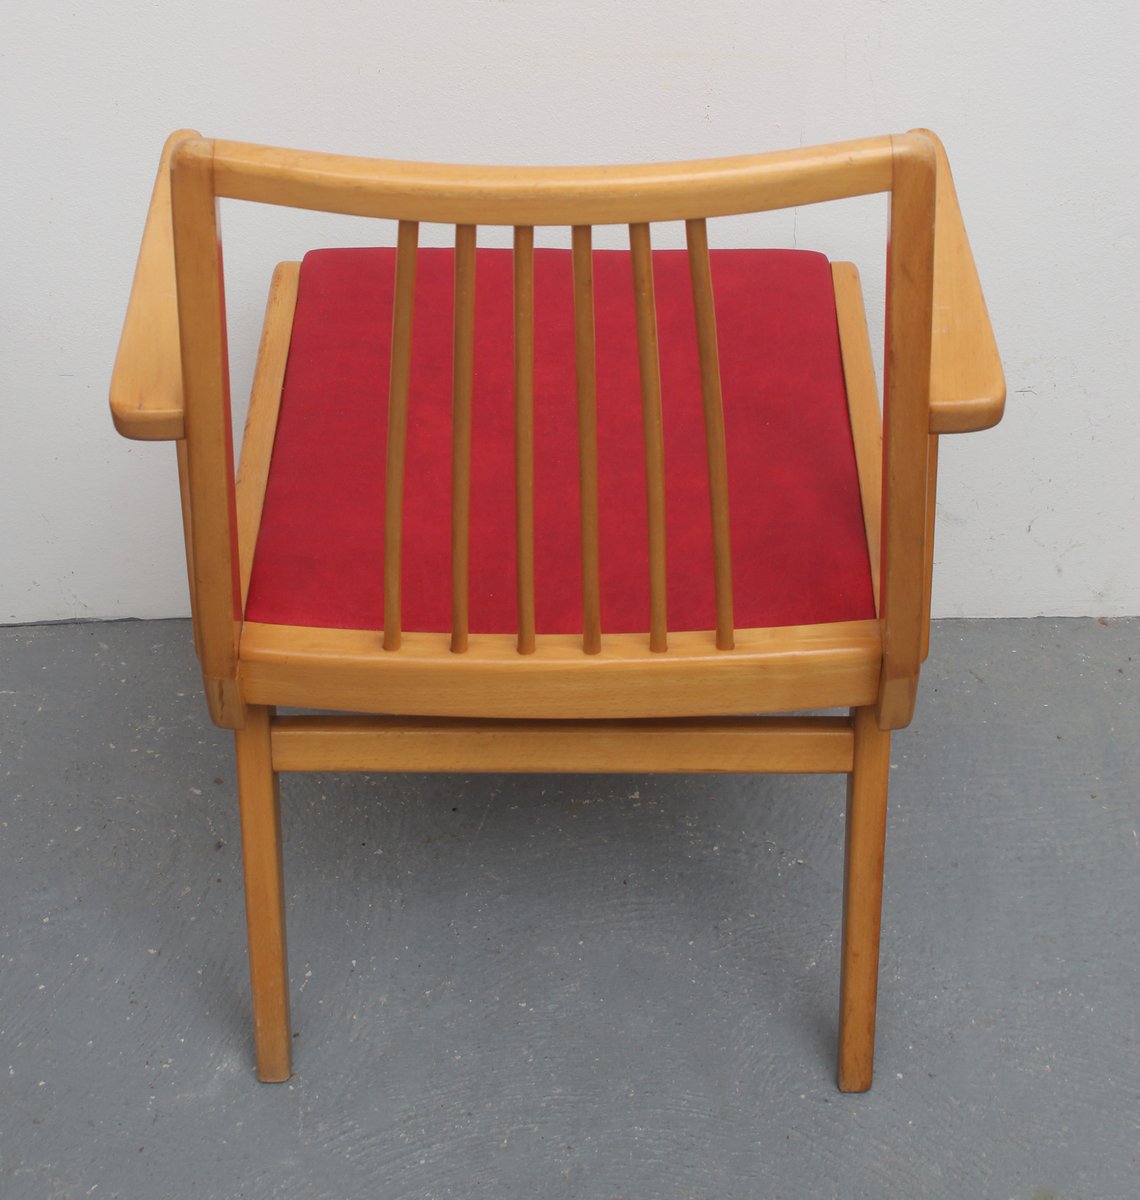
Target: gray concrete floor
[612,986]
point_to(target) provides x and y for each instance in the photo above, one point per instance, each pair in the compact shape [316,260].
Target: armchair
[560,510]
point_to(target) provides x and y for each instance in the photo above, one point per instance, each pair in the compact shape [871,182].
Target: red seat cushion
[799,548]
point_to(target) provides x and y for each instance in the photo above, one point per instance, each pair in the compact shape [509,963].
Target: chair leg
[264,896]
[862,900]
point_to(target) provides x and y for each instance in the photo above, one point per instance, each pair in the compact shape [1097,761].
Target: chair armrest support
[967,385]
[146,385]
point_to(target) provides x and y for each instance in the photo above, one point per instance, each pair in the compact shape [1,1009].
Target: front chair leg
[862,900]
[264,896]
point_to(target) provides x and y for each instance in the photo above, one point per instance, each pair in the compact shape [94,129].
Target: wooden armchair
[650,497]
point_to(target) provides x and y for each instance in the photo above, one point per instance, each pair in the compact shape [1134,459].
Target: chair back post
[209,452]
[906,424]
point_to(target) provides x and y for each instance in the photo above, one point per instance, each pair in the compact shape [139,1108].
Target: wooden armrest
[967,385]
[146,385]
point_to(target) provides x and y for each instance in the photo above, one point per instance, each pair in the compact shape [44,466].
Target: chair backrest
[203,171]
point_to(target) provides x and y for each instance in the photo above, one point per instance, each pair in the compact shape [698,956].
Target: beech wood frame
[660,701]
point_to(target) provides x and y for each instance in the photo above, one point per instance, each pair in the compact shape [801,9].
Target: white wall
[1036,103]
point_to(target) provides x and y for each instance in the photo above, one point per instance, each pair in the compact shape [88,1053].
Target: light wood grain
[261,418]
[967,384]
[188,536]
[793,744]
[696,232]
[770,670]
[649,366]
[865,836]
[404,295]
[862,405]
[264,896]
[524,435]
[463,374]
[585,368]
[620,195]
[209,435]
[146,384]
[931,512]
[906,423]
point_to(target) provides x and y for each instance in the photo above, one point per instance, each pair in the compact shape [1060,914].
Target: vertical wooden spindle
[586,373]
[650,368]
[398,426]
[696,234]
[524,433]
[463,368]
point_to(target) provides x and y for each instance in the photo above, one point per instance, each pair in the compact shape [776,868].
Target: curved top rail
[497,195]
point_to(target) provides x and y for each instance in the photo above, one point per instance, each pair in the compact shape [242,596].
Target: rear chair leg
[862,900]
[264,896]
